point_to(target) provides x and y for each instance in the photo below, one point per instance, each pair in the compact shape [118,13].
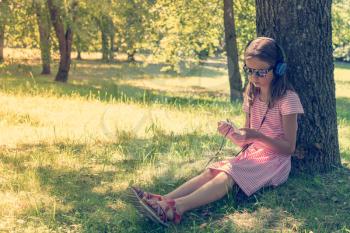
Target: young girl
[268,140]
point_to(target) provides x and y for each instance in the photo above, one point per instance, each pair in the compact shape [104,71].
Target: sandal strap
[171,206]
[161,213]
[147,195]
[153,196]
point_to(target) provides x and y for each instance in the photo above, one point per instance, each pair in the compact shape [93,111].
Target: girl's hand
[224,127]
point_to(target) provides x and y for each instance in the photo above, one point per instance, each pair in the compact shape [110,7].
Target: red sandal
[135,191]
[148,208]
[171,206]
[149,196]
[158,214]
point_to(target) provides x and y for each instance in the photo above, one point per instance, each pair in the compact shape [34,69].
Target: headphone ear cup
[280,69]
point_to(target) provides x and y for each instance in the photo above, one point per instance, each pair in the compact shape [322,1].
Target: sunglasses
[260,73]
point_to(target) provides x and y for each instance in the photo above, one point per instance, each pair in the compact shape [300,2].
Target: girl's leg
[211,191]
[193,184]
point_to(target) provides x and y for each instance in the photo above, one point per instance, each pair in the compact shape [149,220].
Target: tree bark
[2,38]
[65,38]
[78,45]
[232,52]
[107,35]
[131,56]
[111,48]
[44,26]
[79,55]
[104,46]
[304,29]
[3,20]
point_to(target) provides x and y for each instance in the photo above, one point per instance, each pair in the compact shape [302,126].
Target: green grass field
[69,151]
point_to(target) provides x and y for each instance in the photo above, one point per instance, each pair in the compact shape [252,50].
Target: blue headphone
[281,66]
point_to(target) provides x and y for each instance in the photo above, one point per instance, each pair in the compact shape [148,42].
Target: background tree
[86,31]
[232,52]
[131,23]
[81,29]
[44,26]
[304,29]
[107,29]
[245,27]
[62,20]
[103,14]
[341,29]
[181,32]
[4,14]
[21,30]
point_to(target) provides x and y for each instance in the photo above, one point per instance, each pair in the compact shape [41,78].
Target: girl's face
[255,68]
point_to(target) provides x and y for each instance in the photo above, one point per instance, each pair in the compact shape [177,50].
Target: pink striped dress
[260,166]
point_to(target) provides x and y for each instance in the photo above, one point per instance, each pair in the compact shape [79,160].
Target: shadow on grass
[92,194]
[346,156]
[319,203]
[94,198]
[88,199]
[121,70]
[216,63]
[343,65]
[304,203]
[109,91]
[102,82]
[343,108]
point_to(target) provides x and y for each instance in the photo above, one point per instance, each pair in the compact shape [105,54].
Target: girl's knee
[226,179]
[210,173]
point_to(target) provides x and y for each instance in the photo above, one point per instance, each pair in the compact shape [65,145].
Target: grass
[69,151]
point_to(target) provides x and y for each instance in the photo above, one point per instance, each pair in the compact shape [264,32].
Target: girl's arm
[284,145]
[246,120]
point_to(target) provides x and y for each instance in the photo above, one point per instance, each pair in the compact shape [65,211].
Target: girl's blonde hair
[267,50]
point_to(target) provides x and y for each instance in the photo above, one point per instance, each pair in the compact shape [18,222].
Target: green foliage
[341,29]
[132,17]
[244,11]
[182,30]
[101,25]
[178,33]
[85,28]
[4,12]
[21,30]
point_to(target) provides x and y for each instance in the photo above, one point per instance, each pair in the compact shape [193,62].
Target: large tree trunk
[3,20]
[44,25]
[65,37]
[232,52]
[303,28]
